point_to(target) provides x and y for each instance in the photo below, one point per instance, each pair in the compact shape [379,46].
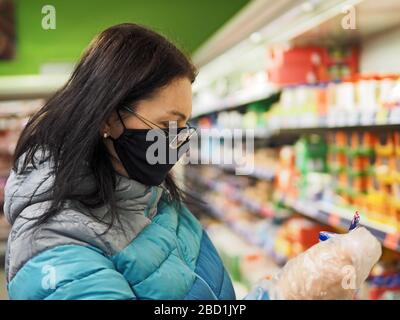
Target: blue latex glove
[258,293]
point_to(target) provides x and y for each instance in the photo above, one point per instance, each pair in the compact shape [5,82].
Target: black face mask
[132,147]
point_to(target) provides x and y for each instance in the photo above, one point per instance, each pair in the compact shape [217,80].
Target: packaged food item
[362,143]
[346,97]
[296,235]
[338,141]
[309,64]
[337,161]
[286,173]
[383,169]
[367,88]
[384,144]
[396,137]
[311,152]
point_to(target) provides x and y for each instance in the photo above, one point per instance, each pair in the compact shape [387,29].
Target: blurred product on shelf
[384,280]
[310,162]
[246,263]
[286,173]
[262,162]
[296,235]
[19,109]
[244,223]
[266,159]
[310,64]
[280,240]
[253,117]
[355,169]
[311,154]
[260,192]
[365,167]
[360,100]
[230,120]
[302,169]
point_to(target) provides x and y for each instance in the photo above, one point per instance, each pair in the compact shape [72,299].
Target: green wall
[187,22]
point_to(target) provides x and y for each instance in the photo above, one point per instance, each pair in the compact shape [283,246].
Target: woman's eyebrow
[177,113]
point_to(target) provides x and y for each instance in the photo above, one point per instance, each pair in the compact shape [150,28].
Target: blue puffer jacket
[162,252]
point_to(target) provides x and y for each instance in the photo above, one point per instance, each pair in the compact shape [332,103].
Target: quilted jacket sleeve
[69,272]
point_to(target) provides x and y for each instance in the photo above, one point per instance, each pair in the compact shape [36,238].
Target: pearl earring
[105,135]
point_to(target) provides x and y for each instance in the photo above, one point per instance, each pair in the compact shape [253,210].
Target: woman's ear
[112,127]
[106,131]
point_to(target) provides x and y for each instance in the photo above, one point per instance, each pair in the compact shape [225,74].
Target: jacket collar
[33,185]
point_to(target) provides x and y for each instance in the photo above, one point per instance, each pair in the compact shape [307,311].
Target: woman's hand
[332,269]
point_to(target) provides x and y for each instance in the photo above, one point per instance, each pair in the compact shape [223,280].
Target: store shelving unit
[298,125]
[238,98]
[257,172]
[241,231]
[295,23]
[260,209]
[30,86]
[325,213]
[351,121]
[339,217]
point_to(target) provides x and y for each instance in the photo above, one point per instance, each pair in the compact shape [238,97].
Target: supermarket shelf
[383,15]
[255,172]
[295,125]
[226,133]
[310,130]
[258,172]
[323,212]
[263,174]
[237,99]
[296,23]
[253,206]
[341,218]
[247,235]
[341,120]
[30,86]
[236,195]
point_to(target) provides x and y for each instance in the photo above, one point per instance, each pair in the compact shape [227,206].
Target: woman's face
[173,103]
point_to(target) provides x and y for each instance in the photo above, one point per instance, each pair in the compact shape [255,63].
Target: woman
[91,218]
[94,216]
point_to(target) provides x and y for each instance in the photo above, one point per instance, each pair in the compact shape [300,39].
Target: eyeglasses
[177,140]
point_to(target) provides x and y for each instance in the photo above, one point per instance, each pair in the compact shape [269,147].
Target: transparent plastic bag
[330,270]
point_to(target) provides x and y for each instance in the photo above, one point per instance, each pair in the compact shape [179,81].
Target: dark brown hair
[124,64]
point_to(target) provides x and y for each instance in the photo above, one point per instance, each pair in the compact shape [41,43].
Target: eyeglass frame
[146,121]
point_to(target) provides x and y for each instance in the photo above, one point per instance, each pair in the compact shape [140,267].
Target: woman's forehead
[174,100]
